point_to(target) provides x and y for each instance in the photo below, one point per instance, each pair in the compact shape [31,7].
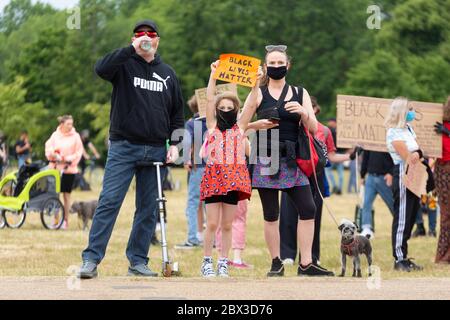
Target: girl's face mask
[226,119]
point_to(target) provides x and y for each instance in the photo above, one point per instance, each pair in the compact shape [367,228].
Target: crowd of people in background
[23,149]
[380,174]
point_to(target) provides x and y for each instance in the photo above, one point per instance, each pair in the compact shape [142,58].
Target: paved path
[229,289]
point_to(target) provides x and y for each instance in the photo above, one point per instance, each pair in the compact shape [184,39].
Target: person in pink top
[64,150]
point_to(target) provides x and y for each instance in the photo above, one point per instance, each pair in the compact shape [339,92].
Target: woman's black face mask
[226,119]
[277,73]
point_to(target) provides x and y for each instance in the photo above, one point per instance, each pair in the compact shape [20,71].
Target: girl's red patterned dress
[226,167]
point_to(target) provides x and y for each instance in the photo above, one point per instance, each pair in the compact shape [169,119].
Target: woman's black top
[289,122]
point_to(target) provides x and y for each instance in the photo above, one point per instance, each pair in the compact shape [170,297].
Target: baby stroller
[34,188]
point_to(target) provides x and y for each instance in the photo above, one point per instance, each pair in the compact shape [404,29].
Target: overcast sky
[60,4]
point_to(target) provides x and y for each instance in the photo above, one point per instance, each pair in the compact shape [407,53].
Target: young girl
[226,179]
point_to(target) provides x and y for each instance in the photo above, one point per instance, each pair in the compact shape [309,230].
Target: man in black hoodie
[146,110]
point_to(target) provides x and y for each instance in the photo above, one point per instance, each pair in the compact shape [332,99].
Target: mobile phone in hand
[274,119]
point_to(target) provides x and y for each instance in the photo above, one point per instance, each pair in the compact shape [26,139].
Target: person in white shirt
[404,150]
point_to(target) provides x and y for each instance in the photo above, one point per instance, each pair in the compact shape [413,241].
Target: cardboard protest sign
[416,179]
[239,69]
[360,120]
[200,94]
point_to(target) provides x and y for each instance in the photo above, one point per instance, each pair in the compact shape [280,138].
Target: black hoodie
[146,101]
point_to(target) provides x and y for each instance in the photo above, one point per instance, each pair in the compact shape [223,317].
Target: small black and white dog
[353,245]
[85,211]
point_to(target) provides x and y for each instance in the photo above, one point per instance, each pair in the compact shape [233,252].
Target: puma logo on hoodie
[148,84]
[158,77]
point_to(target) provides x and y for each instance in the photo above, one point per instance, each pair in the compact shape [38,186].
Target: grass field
[34,251]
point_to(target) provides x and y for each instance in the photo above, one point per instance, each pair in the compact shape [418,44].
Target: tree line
[46,69]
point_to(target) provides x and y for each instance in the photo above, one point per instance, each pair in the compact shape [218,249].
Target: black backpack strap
[299,91]
[282,96]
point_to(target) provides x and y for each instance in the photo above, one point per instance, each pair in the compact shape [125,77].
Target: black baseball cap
[147,23]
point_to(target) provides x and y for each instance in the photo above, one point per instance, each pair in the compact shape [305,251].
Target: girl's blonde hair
[230,96]
[447,110]
[396,117]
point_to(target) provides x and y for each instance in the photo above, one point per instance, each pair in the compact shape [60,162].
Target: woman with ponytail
[64,150]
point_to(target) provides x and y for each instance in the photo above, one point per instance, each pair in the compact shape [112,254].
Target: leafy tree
[324,41]
[39,62]
[381,76]
[99,124]
[331,47]
[16,115]
[412,55]
[17,12]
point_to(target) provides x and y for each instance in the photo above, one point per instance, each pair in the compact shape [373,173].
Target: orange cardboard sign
[239,69]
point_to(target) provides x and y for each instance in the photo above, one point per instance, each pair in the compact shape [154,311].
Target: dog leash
[315,177]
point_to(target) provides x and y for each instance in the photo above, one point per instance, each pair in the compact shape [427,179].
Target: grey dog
[354,245]
[85,210]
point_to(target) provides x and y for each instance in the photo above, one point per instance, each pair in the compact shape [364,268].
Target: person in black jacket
[376,173]
[146,110]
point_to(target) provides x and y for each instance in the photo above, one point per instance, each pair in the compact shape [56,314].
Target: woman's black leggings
[300,196]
